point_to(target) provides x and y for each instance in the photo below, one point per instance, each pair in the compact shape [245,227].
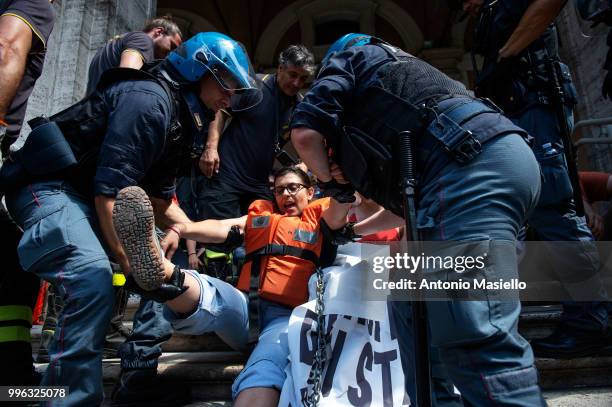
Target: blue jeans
[223,309]
[143,348]
[555,219]
[61,245]
[478,341]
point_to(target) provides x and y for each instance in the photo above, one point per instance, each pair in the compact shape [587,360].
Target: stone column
[81,27]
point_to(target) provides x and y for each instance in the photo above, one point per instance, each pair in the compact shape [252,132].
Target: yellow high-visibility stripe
[118,280]
[15,312]
[134,51]
[14,334]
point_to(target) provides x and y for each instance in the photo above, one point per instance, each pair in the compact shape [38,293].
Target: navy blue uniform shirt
[337,87]
[133,151]
[246,149]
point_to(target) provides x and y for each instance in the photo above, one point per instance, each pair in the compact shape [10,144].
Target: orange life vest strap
[280,250]
[255,257]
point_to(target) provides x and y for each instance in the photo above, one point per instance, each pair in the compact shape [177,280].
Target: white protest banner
[363,365]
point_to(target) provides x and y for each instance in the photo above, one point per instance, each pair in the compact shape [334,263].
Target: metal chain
[320,357]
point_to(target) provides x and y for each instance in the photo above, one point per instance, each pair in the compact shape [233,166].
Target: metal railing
[592,140]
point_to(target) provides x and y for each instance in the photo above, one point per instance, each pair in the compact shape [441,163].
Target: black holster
[45,155]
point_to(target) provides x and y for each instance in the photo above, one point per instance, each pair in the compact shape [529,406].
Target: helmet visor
[232,69]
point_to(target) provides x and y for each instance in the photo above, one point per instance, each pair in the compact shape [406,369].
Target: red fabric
[594,186]
[37,318]
[391,235]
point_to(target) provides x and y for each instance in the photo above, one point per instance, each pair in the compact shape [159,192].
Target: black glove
[343,193]
[341,236]
[234,239]
[167,291]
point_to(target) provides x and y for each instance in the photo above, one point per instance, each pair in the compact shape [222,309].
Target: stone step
[535,322]
[209,366]
[553,289]
[574,373]
[215,367]
[209,394]
[538,321]
[586,397]
[177,343]
[131,307]
[189,366]
[210,376]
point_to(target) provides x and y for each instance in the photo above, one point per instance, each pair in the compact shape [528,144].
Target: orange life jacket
[287,249]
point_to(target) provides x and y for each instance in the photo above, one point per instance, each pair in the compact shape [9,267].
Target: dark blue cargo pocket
[461,323]
[45,240]
[503,386]
[556,184]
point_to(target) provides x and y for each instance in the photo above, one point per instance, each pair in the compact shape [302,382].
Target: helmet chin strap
[197,112]
[168,78]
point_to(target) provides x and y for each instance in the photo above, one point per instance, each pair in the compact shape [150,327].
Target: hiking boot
[135,226]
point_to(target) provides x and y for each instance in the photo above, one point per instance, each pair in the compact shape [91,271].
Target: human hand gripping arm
[167,213]
[192,255]
[534,21]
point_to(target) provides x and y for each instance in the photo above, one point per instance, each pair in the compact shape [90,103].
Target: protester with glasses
[284,243]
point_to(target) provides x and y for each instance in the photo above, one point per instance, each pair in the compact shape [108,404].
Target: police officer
[238,162]
[132,131]
[519,46]
[25,27]
[477,179]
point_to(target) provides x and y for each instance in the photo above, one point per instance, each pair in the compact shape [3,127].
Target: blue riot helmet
[345,42]
[225,59]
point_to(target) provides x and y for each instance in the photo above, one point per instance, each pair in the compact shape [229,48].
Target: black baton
[419,318]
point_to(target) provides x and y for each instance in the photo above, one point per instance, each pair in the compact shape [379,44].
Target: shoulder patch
[258,222]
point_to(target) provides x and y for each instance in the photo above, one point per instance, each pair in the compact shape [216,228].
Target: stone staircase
[209,366]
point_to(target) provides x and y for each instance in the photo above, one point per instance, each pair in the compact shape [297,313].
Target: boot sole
[135,226]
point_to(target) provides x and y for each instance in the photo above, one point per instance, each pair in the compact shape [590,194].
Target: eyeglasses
[292,189]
